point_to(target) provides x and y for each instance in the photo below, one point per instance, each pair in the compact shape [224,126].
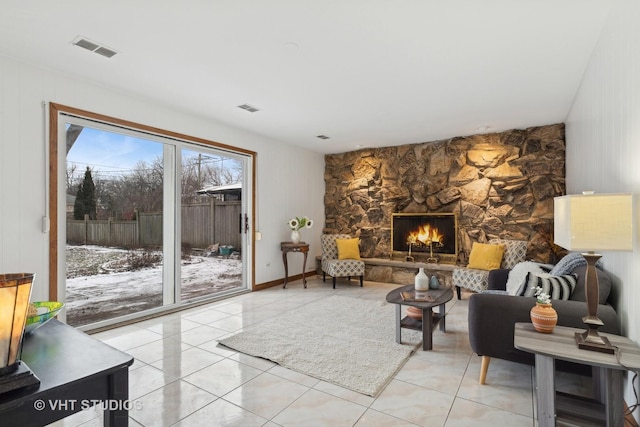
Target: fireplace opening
[424,237]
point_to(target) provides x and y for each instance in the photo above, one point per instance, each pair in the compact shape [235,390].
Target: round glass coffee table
[432,298]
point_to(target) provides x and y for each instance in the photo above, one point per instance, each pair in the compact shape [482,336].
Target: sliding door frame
[56,160]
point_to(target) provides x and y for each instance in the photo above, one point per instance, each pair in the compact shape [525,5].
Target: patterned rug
[345,341]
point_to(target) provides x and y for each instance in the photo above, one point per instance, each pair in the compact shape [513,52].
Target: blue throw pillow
[570,262]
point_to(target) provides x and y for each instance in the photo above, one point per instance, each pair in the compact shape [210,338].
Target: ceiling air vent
[93,47]
[249,108]
[105,51]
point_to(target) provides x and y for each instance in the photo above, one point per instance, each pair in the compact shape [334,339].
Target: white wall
[603,144]
[290,180]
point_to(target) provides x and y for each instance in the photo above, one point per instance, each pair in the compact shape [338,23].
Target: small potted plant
[543,316]
[295,224]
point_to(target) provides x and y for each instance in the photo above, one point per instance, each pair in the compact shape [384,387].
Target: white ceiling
[363,72]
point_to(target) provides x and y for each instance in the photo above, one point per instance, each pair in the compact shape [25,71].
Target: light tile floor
[181,377]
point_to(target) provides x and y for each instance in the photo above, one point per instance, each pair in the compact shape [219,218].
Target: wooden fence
[202,225]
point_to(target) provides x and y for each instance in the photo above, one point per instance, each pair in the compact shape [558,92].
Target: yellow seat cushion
[485,256]
[348,248]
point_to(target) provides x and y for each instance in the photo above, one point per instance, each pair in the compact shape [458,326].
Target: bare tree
[142,188]
[205,171]
[223,173]
[72,181]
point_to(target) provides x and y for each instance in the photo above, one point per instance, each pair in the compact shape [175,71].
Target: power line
[94,164]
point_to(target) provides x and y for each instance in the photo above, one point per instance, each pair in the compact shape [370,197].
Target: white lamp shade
[591,222]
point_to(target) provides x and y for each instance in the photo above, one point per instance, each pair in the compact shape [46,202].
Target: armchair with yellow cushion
[484,257]
[341,257]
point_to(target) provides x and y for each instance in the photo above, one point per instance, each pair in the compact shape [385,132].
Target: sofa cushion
[604,285]
[557,287]
[485,256]
[518,275]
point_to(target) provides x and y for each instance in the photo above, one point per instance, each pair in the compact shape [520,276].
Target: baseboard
[279,282]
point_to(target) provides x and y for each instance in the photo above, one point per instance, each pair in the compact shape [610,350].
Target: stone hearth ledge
[401,272]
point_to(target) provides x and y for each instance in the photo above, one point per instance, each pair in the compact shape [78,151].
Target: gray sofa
[492,318]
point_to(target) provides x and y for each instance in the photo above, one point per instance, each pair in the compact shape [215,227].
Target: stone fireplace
[426,237]
[499,185]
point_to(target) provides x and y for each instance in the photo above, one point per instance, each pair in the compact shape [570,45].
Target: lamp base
[592,341]
[21,378]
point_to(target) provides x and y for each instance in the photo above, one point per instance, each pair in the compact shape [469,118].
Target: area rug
[345,341]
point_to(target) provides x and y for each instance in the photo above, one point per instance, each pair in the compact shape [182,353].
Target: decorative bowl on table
[46,310]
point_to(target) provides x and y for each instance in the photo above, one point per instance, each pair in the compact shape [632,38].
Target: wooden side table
[608,371]
[287,247]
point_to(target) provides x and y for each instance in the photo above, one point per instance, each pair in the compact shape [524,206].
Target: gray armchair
[335,267]
[476,280]
[492,319]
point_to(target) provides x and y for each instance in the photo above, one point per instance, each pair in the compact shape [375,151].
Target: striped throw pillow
[557,287]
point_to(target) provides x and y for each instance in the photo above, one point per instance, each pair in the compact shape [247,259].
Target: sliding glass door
[212,241]
[150,222]
[114,208]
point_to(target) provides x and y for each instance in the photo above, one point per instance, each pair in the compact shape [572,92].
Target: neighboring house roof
[228,189]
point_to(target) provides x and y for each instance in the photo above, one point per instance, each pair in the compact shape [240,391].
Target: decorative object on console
[590,222]
[434,283]
[421,280]
[44,311]
[543,316]
[295,224]
[15,291]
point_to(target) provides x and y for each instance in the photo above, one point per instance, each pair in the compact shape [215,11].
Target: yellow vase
[544,318]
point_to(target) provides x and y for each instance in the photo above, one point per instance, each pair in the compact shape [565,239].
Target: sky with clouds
[111,154]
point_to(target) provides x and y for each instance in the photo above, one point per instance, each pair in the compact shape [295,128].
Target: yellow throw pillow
[485,256]
[348,248]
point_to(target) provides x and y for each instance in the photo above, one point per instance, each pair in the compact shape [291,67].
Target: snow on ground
[99,287]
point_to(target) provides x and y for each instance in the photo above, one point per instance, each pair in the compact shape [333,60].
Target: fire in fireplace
[429,237]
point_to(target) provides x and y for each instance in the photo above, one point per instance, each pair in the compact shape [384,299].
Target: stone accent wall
[501,185]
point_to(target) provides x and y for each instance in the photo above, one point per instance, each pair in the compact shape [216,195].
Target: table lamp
[586,223]
[15,291]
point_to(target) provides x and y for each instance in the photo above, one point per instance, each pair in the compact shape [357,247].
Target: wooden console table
[607,407]
[287,247]
[75,372]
